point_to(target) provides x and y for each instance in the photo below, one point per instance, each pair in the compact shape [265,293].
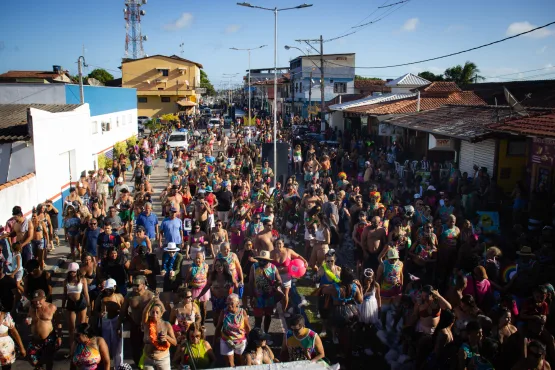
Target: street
[159,180]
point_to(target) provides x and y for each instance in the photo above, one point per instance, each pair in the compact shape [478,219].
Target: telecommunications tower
[132,14]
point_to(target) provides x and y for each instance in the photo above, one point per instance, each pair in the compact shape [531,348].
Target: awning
[186,103]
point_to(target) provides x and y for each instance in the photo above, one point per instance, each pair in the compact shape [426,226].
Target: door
[481,154]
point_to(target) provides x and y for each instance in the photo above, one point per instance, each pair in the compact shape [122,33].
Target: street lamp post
[249,80]
[275,10]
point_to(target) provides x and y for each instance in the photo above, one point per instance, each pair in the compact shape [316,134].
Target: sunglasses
[188,297]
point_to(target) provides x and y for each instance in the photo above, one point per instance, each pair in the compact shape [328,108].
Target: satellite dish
[143,12]
[514,104]
[144,1]
[94,82]
[145,38]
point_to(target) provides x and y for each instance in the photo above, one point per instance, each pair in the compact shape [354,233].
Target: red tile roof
[16,181]
[426,103]
[32,74]
[540,125]
[370,86]
[441,86]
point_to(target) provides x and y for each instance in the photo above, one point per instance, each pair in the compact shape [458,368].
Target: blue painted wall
[102,99]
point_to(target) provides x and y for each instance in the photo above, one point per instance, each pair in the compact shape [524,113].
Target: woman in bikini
[43,216]
[218,236]
[220,284]
[200,241]
[88,271]
[196,277]
[98,213]
[184,314]
[40,238]
[281,257]
[75,298]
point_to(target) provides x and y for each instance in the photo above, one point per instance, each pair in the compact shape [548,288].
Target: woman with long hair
[88,351]
[281,258]
[158,337]
[88,271]
[71,227]
[195,351]
[257,351]
[7,344]
[184,314]
[221,284]
[76,298]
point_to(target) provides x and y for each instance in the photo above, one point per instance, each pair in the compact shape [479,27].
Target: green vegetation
[205,83]
[461,75]
[104,162]
[101,75]
[360,78]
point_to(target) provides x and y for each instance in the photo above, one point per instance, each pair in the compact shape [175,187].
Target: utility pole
[322,85]
[310,96]
[80,60]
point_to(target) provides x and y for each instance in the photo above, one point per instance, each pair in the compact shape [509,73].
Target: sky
[38,34]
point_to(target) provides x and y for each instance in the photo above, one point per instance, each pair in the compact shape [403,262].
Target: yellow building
[164,84]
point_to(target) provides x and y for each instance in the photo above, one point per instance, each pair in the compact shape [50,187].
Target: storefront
[441,149]
[542,159]
[481,154]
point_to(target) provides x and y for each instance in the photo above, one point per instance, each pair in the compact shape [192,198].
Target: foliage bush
[169,117]
[120,148]
[104,162]
[132,141]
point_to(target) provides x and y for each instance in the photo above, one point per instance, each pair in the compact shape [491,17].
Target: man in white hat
[109,305]
[265,283]
[171,267]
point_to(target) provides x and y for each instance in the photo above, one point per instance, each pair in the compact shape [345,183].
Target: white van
[178,139]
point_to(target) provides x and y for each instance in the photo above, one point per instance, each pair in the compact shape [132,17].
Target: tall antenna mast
[132,14]
[182,45]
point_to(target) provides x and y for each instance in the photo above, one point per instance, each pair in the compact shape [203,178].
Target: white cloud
[519,27]
[185,20]
[542,50]
[410,25]
[232,28]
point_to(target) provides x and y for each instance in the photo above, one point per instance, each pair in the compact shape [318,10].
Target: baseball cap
[38,295]
[110,284]
[73,267]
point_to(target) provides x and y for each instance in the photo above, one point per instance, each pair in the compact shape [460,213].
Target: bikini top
[285,263]
[74,288]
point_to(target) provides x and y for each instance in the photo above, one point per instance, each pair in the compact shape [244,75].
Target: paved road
[159,180]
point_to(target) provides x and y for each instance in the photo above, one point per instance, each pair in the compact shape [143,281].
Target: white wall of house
[122,126]
[402,90]
[23,194]
[62,148]
[337,120]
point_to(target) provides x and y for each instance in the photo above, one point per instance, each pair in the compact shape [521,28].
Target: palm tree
[463,75]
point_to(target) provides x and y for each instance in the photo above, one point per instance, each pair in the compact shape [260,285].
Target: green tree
[205,83]
[101,75]
[463,75]
[357,77]
[431,76]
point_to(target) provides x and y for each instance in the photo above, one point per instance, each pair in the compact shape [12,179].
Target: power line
[456,53]
[365,18]
[517,73]
[399,2]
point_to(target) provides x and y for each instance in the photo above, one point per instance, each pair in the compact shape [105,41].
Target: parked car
[214,123]
[140,128]
[207,112]
[143,119]
[178,139]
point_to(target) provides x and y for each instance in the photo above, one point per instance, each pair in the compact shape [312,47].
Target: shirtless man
[264,240]
[132,310]
[201,211]
[45,341]
[372,240]
[23,232]
[110,304]
[174,198]
[310,200]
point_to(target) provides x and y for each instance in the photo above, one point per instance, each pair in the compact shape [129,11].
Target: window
[339,87]
[94,127]
[165,72]
[160,88]
[142,99]
[165,99]
[516,148]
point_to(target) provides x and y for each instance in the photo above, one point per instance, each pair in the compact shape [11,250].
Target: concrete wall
[23,194]
[337,120]
[62,148]
[21,93]
[123,125]
[16,160]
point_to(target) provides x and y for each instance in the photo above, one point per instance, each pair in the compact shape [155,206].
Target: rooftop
[410,104]
[16,181]
[163,56]
[408,80]
[542,93]
[539,125]
[441,86]
[45,75]
[464,122]
[13,119]
[370,100]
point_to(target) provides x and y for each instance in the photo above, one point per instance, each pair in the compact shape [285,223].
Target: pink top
[479,290]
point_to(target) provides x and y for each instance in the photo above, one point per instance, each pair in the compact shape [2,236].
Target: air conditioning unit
[104,126]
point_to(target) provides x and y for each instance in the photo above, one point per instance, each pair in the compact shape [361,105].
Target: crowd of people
[401,266]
